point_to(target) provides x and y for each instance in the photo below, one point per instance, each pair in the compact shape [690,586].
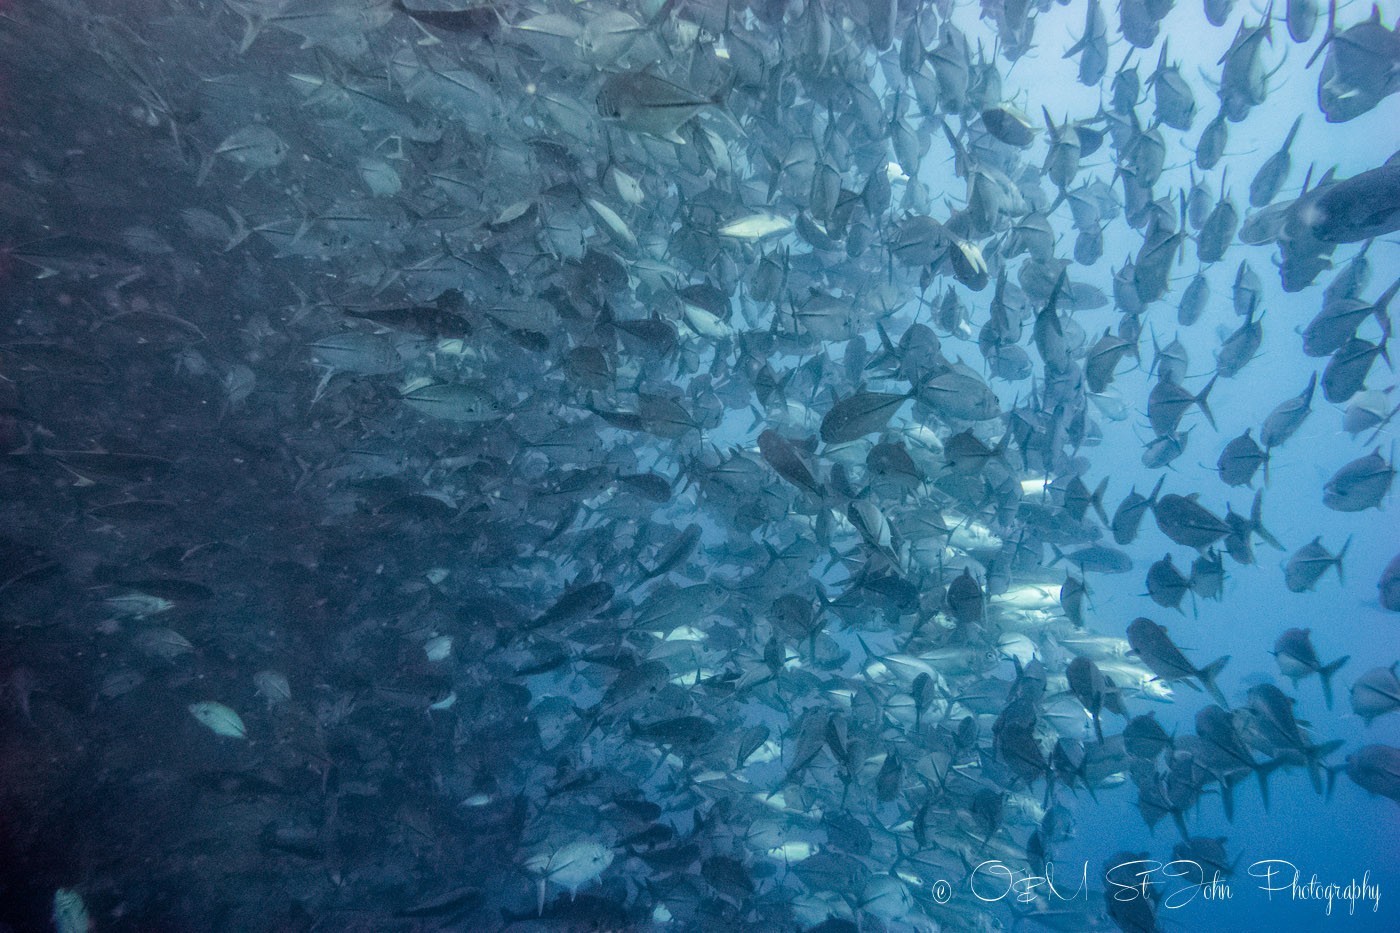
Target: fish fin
[1201,400]
[1326,675]
[1179,819]
[1256,520]
[1262,772]
[1328,36]
[1308,392]
[1227,798]
[1288,140]
[1096,500]
[204,166]
[1315,755]
[1341,577]
[1207,677]
[1332,772]
[252,28]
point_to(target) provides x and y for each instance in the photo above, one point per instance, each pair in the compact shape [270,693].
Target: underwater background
[664,465]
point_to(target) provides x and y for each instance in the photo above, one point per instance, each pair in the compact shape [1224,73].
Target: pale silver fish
[219,719]
[256,147]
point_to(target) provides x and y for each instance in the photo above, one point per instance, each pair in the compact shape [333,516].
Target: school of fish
[609,465]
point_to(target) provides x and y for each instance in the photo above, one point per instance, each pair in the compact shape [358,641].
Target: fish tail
[1262,772]
[252,28]
[1256,520]
[1382,306]
[1315,754]
[1326,675]
[204,166]
[1201,400]
[1341,577]
[1380,427]
[1332,772]
[1207,677]
[1179,818]
[1293,131]
[240,229]
[1096,500]
[1331,33]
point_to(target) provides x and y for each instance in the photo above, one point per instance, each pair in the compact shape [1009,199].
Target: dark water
[572,466]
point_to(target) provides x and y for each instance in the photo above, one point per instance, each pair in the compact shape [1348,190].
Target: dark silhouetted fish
[1155,648]
[1307,565]
[1297,659]
[1361,484]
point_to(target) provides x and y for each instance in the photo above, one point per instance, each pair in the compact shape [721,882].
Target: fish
[1271,718]
[1346,371]
[570,866]
[1362,207]
[1339,319]
[642,102]
[1368,410]
[1096,558]
[1356,74]
[1223,750]
[451,401]
[274,686]
[1287,417]
[858,415]
[256,147]
[1168,402]
[757,226]
[1239,541]
[70,914]
[1376,768]
[1208,575]
[1297,658]
[1389,585]
[1156,649]
[1166,585]
[1144,737]
[1272,174]
[1094,690]
[1187,522]
[1241,459]
[1376,693]
[1307,565]
[219,719]
[1174,100]
[1359,485]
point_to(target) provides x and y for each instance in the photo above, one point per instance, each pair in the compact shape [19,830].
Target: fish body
[1359,485]
[645,103]
[219,719]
